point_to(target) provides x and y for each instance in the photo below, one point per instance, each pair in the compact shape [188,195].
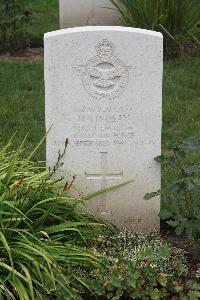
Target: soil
[36,52]
[191,247]
[28,54]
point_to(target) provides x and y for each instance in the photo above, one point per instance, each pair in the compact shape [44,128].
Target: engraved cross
[103,176]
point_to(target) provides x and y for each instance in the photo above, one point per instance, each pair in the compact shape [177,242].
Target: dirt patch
[29,54]
[191,247]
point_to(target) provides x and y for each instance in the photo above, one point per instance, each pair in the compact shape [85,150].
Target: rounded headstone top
[102,28]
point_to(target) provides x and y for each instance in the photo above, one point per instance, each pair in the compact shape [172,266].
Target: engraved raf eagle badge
[104,76]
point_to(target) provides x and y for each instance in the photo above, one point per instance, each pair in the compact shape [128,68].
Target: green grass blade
[12,165]
[7,248]
[92,195]
[29,280]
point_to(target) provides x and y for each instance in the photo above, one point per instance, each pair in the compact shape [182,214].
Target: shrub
[180,198]
[14,16]
[43,232]
[177,20]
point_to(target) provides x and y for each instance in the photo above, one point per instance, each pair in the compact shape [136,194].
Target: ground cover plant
[177,20]
[140,266]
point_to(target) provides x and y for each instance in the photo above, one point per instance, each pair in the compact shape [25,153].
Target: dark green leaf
[151,195]
[116,282]
[172,146]
[179,230]
[165,214]
[173,223]
[164,251]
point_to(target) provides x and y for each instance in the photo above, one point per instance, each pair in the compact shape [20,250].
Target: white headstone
[75,13]
[104,93]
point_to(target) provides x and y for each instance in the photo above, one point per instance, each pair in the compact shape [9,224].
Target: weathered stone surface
[87,12]
[104,93]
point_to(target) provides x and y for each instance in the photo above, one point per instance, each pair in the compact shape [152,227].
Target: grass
[22,101]
[181,106]
[45,17]
[181,99]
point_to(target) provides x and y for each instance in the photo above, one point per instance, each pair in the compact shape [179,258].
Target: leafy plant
[43,231]
[181,205]
[177,20]
[140,266]
[14,16]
